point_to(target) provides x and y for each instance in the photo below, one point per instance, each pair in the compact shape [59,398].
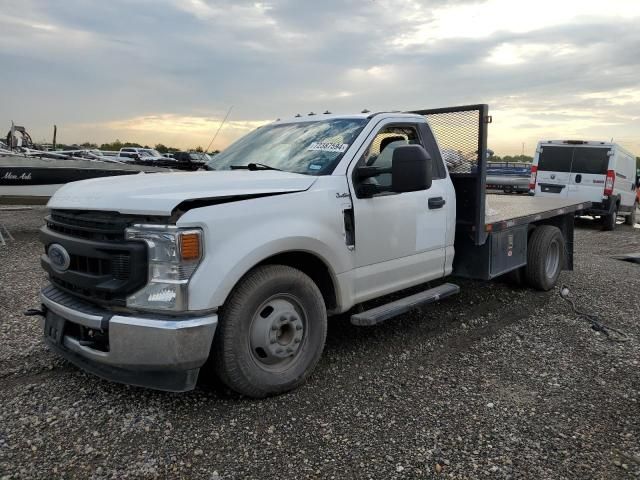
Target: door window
[380,152]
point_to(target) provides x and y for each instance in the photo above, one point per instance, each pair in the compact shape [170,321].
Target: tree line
[117,145]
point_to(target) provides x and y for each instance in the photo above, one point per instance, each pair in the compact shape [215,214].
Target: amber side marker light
[190,246]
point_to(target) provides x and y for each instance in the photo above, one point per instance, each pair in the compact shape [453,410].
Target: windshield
[149,151]
[312,148]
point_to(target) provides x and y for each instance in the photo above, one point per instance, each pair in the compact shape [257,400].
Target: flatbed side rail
[504,224]
[461,133]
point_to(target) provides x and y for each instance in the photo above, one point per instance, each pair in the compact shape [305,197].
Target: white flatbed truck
[151,276]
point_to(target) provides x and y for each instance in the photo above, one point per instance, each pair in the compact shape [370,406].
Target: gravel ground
[494,383]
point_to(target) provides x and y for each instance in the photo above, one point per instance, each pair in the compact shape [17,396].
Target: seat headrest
[387,140]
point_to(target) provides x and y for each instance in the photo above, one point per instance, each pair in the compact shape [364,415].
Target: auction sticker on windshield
[328,147]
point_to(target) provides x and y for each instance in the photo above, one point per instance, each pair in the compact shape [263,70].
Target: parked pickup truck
[151,276]
[145,156]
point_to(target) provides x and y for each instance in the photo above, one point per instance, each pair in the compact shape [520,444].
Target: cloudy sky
[168,70]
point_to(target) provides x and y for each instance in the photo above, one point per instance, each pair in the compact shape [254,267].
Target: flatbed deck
[506,211]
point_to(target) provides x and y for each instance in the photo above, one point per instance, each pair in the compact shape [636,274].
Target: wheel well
[312,266]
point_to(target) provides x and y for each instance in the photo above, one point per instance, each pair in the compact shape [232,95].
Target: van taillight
[532,179]
[608,184]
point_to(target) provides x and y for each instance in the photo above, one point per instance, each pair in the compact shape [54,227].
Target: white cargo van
[602,173]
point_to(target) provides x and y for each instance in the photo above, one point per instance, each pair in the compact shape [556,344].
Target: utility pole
[55,131]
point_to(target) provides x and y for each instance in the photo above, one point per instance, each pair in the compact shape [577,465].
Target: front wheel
[271,332]
[545,257]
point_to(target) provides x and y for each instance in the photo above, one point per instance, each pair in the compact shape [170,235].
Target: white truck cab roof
[364,116]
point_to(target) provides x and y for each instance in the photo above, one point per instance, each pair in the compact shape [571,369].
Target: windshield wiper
[253,167]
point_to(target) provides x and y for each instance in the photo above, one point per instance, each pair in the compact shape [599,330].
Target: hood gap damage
[186,205]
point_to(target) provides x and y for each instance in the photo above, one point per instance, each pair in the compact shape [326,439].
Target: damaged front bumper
[163,353]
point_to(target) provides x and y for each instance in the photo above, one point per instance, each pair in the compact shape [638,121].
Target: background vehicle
[602,173]
[191,160]
[301,219]
[509,177]
[145,156]
[32,179]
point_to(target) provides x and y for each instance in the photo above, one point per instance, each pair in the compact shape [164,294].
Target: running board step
[398,307]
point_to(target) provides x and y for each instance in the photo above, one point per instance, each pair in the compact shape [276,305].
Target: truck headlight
[174,254]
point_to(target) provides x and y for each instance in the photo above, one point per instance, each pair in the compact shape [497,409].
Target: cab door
[399,237]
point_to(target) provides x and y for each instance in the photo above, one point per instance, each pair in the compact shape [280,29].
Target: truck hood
[160,193]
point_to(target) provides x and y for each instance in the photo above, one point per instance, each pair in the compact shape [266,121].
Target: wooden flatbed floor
[505,211]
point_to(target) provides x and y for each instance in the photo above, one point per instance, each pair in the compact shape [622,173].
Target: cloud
[177,130]
[167,70]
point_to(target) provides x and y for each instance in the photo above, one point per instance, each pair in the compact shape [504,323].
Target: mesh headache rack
[461,133]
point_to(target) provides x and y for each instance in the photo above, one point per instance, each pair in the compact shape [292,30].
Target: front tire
[271,332]
[545,257]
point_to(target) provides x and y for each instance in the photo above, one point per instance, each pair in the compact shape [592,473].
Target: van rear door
[554,170]
[588,173]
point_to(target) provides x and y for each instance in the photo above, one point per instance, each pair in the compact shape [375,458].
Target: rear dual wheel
[271,333]
[545,257]
[545,260]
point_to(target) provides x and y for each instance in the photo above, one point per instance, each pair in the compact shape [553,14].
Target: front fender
[241,235]
[214,281]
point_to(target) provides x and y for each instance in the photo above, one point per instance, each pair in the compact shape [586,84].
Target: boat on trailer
[32,177]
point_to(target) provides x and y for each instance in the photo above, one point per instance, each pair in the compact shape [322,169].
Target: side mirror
[411,169]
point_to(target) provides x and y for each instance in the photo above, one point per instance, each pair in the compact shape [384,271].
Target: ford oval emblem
[59,257]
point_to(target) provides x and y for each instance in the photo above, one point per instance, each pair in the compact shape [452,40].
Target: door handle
[436,202]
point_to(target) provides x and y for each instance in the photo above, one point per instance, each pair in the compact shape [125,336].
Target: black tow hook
[34,312]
